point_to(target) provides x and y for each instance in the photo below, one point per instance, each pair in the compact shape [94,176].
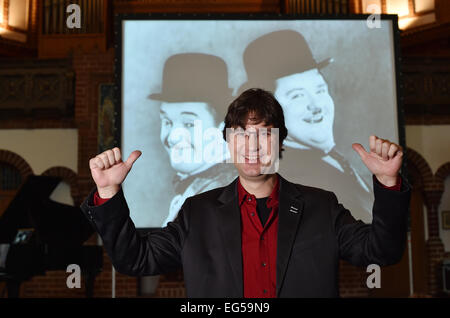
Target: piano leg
[13,288]
[89,279]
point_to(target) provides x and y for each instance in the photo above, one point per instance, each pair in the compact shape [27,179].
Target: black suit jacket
[205,239]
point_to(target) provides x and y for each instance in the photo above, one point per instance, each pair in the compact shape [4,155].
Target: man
[194,90]
[282,62]
[261,235]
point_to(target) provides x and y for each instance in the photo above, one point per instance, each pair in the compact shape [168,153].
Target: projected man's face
[308,108]
[251,149]
[186,143]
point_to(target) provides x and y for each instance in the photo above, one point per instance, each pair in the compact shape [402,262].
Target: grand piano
[38,235]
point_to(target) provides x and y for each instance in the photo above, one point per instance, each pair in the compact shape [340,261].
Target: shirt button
[265,291]
[252,214]
[249,198]
[264,264]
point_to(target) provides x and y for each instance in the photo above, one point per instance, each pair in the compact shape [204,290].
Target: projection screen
[335,79]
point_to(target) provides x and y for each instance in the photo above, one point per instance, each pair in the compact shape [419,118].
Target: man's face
[182,139]
[308,108]
[253,150]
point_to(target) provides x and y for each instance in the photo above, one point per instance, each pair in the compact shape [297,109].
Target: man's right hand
[109,171]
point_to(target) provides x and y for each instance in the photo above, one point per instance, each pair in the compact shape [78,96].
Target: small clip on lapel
[293,209]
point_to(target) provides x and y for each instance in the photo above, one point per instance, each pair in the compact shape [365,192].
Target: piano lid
[59,224]
[32,191]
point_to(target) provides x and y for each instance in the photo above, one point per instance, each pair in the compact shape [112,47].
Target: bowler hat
[275,55]
[194,77]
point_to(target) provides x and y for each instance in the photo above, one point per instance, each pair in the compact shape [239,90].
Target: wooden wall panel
[197,6]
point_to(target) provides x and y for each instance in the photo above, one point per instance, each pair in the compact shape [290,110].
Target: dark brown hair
[263,106]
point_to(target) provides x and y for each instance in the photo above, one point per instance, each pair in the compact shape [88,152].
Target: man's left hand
[384,159]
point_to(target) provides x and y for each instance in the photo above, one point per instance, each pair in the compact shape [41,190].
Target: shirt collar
[271,201]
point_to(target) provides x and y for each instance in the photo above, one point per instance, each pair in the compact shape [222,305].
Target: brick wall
[352,281]
[53,285]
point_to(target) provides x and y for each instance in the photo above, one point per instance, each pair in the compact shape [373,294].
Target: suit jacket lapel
[290,210]
[230,229]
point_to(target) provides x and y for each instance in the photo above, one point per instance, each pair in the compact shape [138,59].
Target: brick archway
[421,167]
[442,173]
[432,189]
[68,176]
[17,162]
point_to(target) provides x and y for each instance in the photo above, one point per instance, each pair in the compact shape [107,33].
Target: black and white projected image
[335,80]
[302,90]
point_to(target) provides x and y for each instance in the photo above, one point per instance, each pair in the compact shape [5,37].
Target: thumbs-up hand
[384,159]
[109,171]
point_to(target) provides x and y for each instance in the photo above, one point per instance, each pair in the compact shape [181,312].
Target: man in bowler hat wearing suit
[193,98]
[282,62]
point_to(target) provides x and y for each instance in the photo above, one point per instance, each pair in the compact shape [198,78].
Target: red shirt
[259,245]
